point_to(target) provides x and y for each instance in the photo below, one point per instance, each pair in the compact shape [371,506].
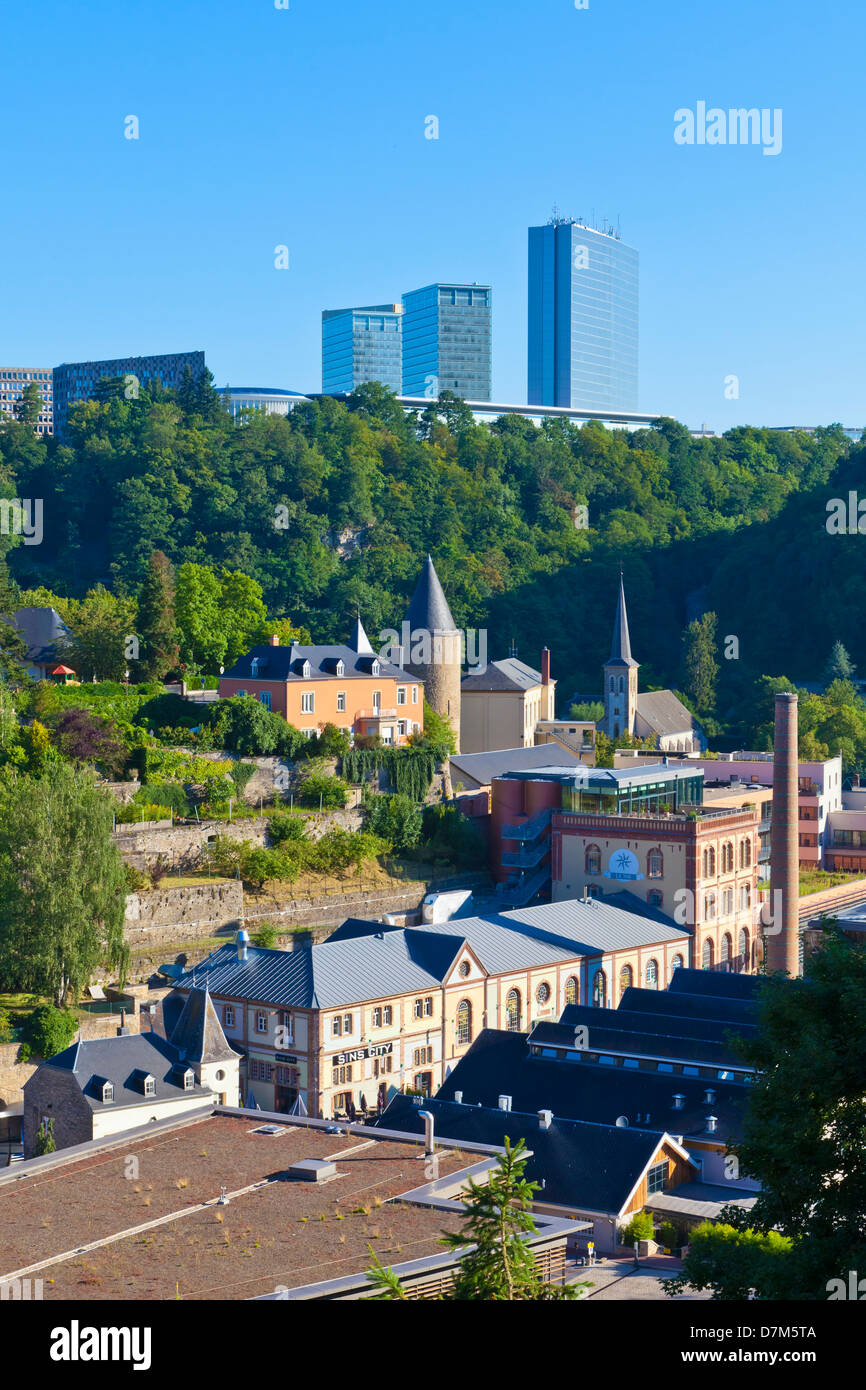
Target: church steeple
[620,676]
[620,647]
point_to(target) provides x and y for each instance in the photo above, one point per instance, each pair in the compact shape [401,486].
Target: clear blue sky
[305,126]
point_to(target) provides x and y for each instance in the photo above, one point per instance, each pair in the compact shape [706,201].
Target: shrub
[330,743]
[397,819]
[5,1026]
[668,1235]
[639,1228]
[284,828]
[322,788]
[50,1030]
[167,794]
[136,880]
[266,936]
[23,1053]
[448,834]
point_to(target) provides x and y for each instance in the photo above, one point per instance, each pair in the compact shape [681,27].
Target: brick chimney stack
[545,666]
[275,641]
[782,939]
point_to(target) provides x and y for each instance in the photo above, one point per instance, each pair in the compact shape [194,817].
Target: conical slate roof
[197,1035]
[620,647]
[359,641]
[429,607]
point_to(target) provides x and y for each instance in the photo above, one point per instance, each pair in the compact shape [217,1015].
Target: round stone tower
[432,647]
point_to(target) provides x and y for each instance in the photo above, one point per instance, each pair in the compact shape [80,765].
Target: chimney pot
[712,1122]
[275,641]
[709,1096]
[545,1119]
[505,1102]
[679,1101]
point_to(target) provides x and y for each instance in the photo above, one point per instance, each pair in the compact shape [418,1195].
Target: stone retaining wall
[175,915]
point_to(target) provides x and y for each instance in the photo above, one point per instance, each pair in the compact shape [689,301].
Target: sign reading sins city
[360,1054]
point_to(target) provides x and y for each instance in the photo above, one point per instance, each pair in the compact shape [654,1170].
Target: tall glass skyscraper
[447,341]
[583,318]
[361,345]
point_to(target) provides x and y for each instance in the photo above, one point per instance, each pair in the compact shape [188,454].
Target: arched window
[464,1022]
[745,895]
[654,863]
[599,989]
[745,854]
[592,859]
[725,956]
[676,963]
[743,949]
[709,862]
[616,731]
[727,857]
[572,990]
[512,1011]
[626,979]
[707,955]
[655,898]
[710,906]
[612,684]
[652,974]
[621,685]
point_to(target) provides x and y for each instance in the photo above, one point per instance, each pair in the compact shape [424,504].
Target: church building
[656,712]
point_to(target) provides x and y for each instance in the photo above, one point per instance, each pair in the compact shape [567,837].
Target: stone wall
[181,845]
[169,916]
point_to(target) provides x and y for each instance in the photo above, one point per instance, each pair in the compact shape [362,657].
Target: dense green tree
[28,406]
[803,1138]
[839,666]
[101,628]
[62,885]
[700,667]
[396,819]
[156,626]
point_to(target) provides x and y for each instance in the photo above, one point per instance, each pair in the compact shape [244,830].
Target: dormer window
[107,1092]
[305,670]
[149,1086]
[377,667]
[254,666]
[341,668]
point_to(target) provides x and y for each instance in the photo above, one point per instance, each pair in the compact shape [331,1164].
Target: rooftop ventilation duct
[622,1121]
[545,1119]
[712,1122]
[709,1096]
[679,1102]
[458,1097]
[429,1135]
[242,941]
[505,1102]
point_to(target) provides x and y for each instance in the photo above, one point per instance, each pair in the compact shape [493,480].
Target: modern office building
[76,381]
[272,400]
[363,344]
[447,341]
[583,317]
[12,383]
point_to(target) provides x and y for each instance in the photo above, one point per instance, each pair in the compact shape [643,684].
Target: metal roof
[428,609]
[483,767]
[507,674]
[664,713]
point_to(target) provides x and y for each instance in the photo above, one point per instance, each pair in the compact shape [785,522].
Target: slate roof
[428,609]
[589,1166]
[44,631]
[197,1034]
[125,1061]
[720,983]
[649,1031]
[664,713]
[700,1200]
[620,647]
[483,767]
[623,1041]
[287,663]
[687,1006]
[507,674]
[368,960]
[500,1063]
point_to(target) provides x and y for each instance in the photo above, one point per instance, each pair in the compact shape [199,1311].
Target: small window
[189,1080]
[229,1016]
[401,694]
[542,994]
[341,669]
[656,1178]
[463,969]
[347,1023]
[107,1093]
[389,1015]
[308,701]
[571,990]
[377,1018]
[464,1022]
[305,670]
[418,1008]
[338,1027]
[414,694]
[149,1086]
[341,702]
[428,1006]
[265,697]
[261,1022]
[376,668]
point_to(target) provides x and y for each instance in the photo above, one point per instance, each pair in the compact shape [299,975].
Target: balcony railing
[378,714]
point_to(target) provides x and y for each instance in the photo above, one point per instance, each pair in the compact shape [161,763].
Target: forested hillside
[336,506]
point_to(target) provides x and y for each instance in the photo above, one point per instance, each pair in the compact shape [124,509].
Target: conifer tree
[157,633]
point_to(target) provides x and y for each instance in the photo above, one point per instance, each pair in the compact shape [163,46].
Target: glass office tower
[447,341]
[583,318]
[361,345]
[77,381]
